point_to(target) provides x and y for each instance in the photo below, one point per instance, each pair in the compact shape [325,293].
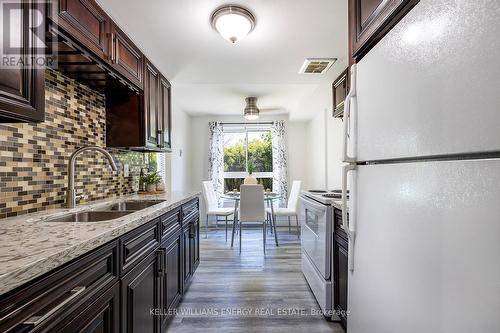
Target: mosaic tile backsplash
[34,157]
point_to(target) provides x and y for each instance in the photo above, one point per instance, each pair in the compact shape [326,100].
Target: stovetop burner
[317,191]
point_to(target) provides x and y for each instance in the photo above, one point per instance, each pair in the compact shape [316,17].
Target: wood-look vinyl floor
[250,292]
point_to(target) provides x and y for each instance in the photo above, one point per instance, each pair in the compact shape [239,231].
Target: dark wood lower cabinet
[195,244]
[101,316]
[340,262]
[172,277]
[140,294]
[129,285]
[186,251]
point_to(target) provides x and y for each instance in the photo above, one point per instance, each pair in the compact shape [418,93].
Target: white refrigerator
[422,143]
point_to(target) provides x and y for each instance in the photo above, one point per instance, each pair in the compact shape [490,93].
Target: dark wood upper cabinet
[124,56]
[85,21]
[140,121]
[340,89]
[370,20]
[164,114]
[151,104]
[22,92]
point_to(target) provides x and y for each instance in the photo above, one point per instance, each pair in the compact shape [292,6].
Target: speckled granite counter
[30,247]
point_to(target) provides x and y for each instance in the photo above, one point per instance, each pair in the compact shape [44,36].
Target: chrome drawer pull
[36,320]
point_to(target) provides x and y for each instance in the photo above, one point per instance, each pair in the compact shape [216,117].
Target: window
[246,147]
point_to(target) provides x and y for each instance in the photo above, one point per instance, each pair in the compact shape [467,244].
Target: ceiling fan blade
[274,110]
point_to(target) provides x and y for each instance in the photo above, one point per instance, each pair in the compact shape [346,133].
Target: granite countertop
[30,247]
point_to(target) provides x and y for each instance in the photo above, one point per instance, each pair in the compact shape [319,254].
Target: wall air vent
[317,65]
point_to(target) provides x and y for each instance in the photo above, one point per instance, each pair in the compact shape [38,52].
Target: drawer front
[98,315]
[52,297]
[137,244]
[170,222]
[190,210]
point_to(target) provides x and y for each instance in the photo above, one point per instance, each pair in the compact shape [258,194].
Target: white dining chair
[291,209]
[213,208]
[252,210]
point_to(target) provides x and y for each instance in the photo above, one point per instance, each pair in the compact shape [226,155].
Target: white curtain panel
[280,164]
[216,157]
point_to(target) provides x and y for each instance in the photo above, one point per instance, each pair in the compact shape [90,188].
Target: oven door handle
[310,229]
[314,204]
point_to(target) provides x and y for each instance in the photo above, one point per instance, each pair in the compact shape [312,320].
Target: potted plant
[151,180]
[250,180]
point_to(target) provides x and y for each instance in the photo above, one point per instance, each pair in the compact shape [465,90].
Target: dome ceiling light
[251,110]
[233,23]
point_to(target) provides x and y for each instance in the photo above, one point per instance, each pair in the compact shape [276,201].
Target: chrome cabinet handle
[113,48]
[347,117]
[160,138]
[348,225]
[37,320]
[161,269]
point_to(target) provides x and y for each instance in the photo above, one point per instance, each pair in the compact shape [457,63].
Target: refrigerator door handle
[348,224]
[347,117]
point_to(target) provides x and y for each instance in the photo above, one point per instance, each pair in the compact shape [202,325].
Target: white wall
[178,163]
[324,139]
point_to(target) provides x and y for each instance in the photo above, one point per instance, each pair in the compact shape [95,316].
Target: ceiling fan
[252,112]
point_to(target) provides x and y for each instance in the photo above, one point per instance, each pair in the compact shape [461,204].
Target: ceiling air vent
[317,65]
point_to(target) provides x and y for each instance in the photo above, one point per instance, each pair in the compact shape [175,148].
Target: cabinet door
[125,57]
[195,245]
[370,20]
[151,89]
[85,21]
[140,293]
[101,316]
[164,114]
[186,266]
[22,89]
[172,277]
[340,89]
[340,253]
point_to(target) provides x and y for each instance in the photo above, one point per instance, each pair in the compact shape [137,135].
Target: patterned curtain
[280,165]
[216,157]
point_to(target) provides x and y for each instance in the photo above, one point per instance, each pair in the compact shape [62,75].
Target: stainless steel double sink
[106,212]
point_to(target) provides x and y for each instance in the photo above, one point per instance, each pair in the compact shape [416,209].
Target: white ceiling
[211,76]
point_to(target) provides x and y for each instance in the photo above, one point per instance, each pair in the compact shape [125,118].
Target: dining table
[269,198]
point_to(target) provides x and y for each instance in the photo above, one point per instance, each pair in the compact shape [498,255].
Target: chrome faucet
[70,191]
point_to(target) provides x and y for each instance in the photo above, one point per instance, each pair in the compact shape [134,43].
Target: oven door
[316,219]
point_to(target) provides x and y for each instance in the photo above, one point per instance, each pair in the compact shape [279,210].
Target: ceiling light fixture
[251,110]
[233,23]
